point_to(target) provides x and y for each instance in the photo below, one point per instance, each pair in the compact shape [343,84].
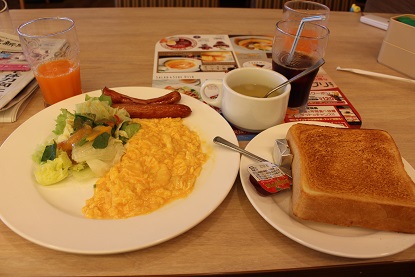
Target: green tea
[253,90]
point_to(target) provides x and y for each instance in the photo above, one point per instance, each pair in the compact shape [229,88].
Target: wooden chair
[22,4]
[334,5]
[167,3]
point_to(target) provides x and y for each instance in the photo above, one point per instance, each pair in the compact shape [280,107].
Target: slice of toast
[350,177]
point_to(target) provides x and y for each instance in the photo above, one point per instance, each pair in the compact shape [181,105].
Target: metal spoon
[305,72]
[230,145]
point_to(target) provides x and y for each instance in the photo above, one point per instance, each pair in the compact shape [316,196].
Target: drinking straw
[298,34]
[374,74]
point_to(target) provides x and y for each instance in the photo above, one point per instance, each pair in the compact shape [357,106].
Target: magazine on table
[10,43]
[13,109]
[17,82]
[11,83]
[11,54]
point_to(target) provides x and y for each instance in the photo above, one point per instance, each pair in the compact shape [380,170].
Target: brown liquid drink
[296,47]
[300,88]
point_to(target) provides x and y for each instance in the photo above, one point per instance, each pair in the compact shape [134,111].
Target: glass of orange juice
[51,47]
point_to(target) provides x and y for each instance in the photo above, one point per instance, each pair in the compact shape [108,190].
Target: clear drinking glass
[51,47]
[297,10]
[290,61]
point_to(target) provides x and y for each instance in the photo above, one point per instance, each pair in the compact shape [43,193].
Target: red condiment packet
[267,178]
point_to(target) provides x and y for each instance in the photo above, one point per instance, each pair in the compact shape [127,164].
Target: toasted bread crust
[351,177]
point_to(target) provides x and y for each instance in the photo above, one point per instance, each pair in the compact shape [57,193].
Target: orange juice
[58,80]
[307,43]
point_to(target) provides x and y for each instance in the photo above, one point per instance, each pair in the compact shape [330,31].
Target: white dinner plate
[349,242]
[51,216]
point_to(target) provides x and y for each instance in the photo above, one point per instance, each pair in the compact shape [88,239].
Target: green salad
[85,142]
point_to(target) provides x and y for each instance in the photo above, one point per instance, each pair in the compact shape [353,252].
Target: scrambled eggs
[161,164]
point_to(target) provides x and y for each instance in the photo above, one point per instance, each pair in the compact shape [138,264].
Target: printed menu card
[184,62]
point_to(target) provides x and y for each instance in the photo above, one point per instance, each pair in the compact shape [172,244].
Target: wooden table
[117,46]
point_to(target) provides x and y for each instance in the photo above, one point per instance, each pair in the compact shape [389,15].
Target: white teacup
[248,113]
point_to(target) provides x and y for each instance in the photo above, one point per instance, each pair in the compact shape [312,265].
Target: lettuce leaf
[61,121]
[51,172]
[102,110]
[99,160]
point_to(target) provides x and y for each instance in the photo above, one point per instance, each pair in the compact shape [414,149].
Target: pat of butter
[282,154]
